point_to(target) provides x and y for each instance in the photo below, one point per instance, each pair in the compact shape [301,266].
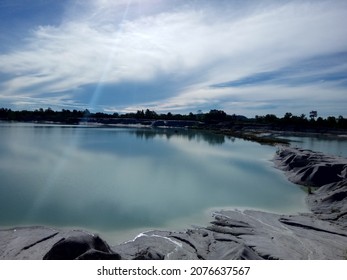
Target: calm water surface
[121,181]
[326,144]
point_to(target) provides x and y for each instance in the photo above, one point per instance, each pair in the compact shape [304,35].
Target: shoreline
[252,234]
[261,133]
[232,234]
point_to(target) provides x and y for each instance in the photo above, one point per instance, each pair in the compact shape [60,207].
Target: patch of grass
[249,136]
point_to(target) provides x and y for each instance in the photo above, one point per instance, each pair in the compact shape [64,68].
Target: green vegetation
[258,129]
[213,117]
[302,122]
[252,136]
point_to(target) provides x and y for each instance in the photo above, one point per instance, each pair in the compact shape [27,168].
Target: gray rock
[37,243]
[247,235]
[83,246]
[328,174]
[274,236]
[310,168]
[27,242]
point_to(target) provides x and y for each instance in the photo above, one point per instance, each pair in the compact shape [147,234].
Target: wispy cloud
[206,52]
[331,68]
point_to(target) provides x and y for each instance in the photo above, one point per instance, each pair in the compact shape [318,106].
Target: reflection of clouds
[325,144]
[72,183]
[200,149]
[80,177]
[210,138]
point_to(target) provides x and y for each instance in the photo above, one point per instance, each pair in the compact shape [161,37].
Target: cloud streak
[203,51]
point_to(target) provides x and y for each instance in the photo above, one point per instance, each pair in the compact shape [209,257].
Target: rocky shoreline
[249,234]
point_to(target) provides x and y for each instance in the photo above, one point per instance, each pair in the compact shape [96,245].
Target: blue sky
[245,57]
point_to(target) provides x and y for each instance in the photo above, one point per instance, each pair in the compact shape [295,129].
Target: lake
[332,145]
[121,181]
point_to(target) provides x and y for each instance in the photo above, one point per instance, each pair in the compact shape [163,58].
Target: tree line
[213,117]
[302,121]
[76,116]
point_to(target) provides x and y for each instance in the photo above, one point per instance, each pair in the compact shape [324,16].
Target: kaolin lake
[121,181]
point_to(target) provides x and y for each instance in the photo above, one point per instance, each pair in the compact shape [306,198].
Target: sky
[246,57]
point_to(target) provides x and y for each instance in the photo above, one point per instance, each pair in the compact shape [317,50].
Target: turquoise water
[336,146]
[121,181]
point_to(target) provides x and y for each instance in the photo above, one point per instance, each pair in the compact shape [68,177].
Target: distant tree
[49,110]
[140,114]
[288,115]
[313,114]
[199,115]
[342,122]
[215,116]
[150,114]
[191,116]
[331,121]
[270,118]
[86,113]
[100,115]
[4,113]
[320,121]
[258,118]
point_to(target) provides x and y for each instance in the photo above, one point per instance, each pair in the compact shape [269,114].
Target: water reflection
[333,145]
[210,138]
[110,179]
